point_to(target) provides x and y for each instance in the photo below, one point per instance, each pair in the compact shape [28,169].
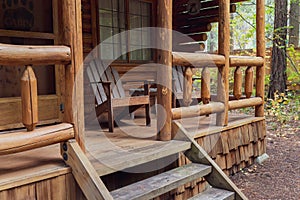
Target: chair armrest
[103,82]
[106,87]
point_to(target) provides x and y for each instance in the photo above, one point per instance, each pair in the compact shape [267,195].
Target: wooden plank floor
[131,144]
[31,166]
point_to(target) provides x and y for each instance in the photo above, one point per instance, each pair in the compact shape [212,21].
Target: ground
[279,176]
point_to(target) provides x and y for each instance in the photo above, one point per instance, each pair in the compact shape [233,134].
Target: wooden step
[214,194]
[118,159]
[162,183]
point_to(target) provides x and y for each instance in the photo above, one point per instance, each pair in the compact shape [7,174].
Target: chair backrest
[178,77]
[98,72]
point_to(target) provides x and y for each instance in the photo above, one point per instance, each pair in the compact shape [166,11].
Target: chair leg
[148,118]
[110,119]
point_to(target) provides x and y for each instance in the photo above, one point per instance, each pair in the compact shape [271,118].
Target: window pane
[135,21]
[107,51]
[115,19]
[137,54]
[146,22]
[106,33]
[135,7]
[147,54]
[146,38]
[106,4]
[105,18]
[146,9]
[135,37]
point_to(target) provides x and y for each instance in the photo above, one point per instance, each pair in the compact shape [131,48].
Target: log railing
[245,67]
[18,55]
[244,98]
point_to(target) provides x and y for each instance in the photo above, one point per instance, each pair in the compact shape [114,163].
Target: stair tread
[162,183]
[214,194]
[120,159]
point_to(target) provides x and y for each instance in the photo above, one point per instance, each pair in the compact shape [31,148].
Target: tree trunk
[294,22]
[278,71]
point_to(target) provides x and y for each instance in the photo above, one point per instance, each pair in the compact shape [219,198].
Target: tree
[294,22]
[279,64]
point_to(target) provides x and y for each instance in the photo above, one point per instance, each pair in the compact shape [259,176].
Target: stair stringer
[83,171]
[217,178]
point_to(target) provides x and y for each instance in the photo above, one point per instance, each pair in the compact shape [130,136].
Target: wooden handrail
[12,55]
[245,61]
[197,59]
[45,136]
[198,110]
[244,103]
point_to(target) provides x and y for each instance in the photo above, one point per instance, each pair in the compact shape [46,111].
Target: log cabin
[52,146]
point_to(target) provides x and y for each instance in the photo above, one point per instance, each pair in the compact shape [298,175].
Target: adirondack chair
[178,85]
[110,95]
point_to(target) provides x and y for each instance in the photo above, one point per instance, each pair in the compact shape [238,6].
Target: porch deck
[131,144]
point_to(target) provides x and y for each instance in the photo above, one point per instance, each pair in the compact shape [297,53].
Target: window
[117,16]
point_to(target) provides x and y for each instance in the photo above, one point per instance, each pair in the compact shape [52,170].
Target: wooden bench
[109,93]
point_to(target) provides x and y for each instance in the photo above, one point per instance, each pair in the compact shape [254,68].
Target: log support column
[164,75]
[70,34]
[260,49]
[224,49]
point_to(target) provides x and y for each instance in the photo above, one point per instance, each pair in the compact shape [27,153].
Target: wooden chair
[178,87]
[109,94]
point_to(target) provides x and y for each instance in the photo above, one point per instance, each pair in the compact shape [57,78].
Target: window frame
[96,33]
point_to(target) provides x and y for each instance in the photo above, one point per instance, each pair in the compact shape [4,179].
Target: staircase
[221,187]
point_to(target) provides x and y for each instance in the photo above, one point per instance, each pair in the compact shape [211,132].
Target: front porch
[132,153]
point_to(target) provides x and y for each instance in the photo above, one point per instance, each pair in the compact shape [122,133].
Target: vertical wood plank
[238,80]
[224,49]
[205,85]
[260,45]
[187,86]
[249,81]
[29,99]
[164,73]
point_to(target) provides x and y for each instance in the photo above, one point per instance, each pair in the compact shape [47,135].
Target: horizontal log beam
[12,55]
[244,103]
[27,34]
[190,38]
[22,141]
[203,12]
[198,110]
[245,61]
[194,29]
[189,47]
[197,59]
[180,6]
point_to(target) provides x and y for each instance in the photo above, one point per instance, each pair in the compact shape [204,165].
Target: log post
[238,81]
[224,49]
[187,86]
[249,81]
[205,85]
[260,49]
[70,34]
[164,75]
[29,99]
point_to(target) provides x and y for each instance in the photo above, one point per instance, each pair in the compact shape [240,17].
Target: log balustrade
[28,56]
[242,96]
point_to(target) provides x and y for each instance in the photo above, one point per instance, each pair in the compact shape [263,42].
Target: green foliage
[293,68]
[284,107]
